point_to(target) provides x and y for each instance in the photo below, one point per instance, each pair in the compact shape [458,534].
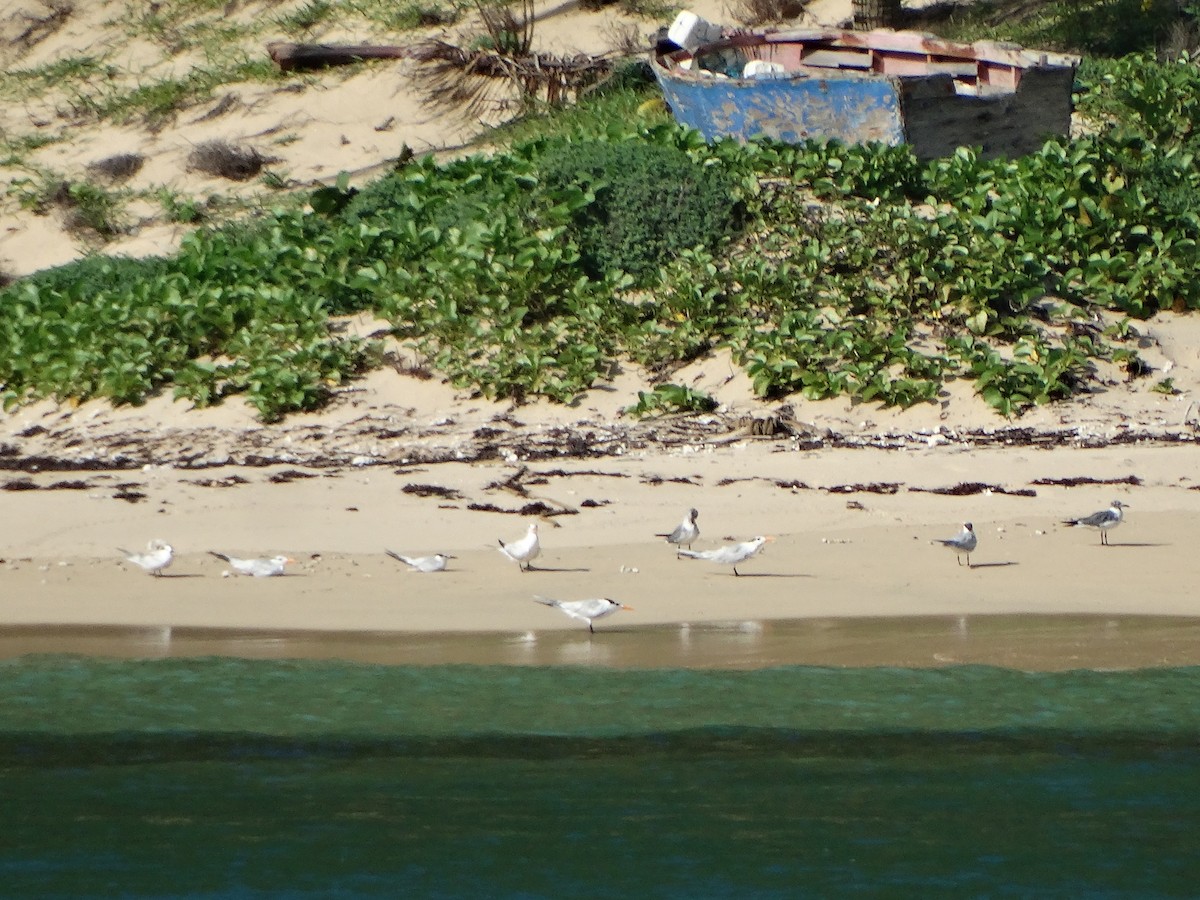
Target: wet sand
[1028,643]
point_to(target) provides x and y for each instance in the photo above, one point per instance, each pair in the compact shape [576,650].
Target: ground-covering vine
[827,270]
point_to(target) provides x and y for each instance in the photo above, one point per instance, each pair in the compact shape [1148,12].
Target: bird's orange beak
[630,608]
[769,539]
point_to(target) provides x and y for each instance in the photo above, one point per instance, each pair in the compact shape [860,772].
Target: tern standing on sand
[585,610]
[157,557]
[731,554]
[256,568]
[435,563]
[1103,520]
[685,533]
[524,550]
[962,543]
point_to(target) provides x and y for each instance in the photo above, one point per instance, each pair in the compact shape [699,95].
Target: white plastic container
[690,31]
[761,68]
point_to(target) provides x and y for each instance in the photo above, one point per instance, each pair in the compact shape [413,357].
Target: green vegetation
[671,398]
[826,270]
[88,207]
[1093,27]
[648,202]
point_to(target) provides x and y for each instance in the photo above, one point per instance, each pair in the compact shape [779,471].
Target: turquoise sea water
[241,778]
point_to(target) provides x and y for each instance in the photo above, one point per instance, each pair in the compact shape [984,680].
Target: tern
[685,532]
[962,543]
[435,563]
[1103,520]
[258,568]
[585,610]
[157,557]
[730,555]
[523,550]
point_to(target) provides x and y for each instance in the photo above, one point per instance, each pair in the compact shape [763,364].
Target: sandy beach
[854,533]
[855,497]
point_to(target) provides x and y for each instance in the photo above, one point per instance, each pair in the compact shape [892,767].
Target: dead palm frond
[474,79]
[500,64]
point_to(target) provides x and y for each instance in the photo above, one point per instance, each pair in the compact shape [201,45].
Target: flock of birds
[159,555]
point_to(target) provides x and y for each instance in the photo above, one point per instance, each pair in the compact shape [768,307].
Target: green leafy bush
[651,201]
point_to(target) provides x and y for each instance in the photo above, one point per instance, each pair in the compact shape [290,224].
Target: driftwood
[290,57]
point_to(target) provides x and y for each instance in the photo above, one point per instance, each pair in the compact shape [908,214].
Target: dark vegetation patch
[225,160]
[119,167]
[289,475]
[583,473]
[876,487]
[793,485]
[651,202]
[970,488]
[537,508]
[432,490]
[70,485]
[658,479]
[1087,479]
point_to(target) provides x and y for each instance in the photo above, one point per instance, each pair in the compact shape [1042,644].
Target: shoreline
[1044,643]
[855,542]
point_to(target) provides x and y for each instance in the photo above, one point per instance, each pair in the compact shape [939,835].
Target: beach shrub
[650,201]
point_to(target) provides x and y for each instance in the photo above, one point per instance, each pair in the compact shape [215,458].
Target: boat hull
[931,112]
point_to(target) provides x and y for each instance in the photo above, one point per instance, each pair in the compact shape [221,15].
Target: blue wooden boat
[888,86]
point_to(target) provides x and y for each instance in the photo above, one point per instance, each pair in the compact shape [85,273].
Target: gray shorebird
[685,532]
[731,554]
[525,549]
[255,568]
[585,610]
[157,557]
[1103,520]
[962,543]
[435,563]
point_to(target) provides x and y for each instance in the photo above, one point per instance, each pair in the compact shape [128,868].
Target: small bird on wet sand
[1103,520]
[257,568]
[585,610]
[435,563]
[157,557]
[962,543]
[685,532]
[525,549]
[731,554]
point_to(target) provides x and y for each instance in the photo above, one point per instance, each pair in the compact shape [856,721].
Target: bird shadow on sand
[548,569]
[992,565]
[1128,544]
[180,575]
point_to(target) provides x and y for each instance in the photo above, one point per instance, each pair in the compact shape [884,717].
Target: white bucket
[690,31]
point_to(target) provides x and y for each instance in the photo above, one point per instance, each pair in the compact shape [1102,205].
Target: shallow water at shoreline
[1032,643]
